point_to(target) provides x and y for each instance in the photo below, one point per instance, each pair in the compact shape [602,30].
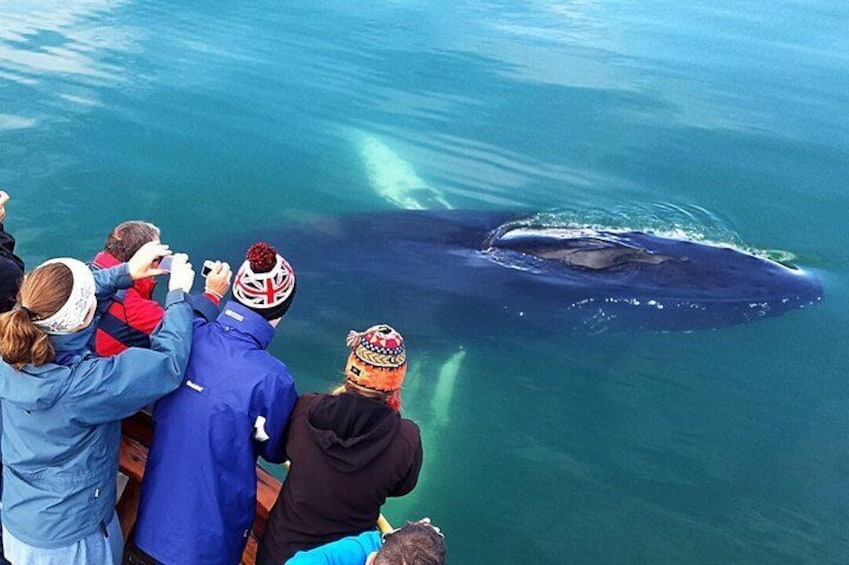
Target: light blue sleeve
[352,550]
[111,388]
[109,281]
[205,309]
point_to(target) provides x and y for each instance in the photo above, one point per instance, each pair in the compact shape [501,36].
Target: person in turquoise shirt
[419,542]
[352,550]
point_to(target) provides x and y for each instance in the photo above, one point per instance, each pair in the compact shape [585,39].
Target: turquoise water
[218,119]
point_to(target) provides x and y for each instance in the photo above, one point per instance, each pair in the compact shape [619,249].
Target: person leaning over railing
[133,313]
[198,496]
[419,543]
[349,452]
[11,273]
[11,266]
[62,405]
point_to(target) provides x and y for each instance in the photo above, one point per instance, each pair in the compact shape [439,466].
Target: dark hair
[42,294]
[128,237]
[414,544]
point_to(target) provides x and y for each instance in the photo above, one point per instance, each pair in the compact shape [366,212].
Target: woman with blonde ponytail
[62,405]
[21,341]
[349,451]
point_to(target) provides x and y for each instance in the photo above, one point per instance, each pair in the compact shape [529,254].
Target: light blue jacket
[61,426]
[352,550]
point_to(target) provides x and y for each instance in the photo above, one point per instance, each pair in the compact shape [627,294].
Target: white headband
[73,313]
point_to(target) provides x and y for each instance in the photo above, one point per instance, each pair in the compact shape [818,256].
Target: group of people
[85,345]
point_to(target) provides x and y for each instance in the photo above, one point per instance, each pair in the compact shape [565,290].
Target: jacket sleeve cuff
[174,297]
[203,306]
[122,276]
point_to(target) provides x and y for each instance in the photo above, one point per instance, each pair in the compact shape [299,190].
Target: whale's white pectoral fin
[444,391]
[395,180]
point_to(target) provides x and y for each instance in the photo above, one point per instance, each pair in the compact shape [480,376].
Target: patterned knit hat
[265,282]
[378,359]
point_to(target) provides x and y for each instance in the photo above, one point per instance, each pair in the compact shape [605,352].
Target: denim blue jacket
[61,426]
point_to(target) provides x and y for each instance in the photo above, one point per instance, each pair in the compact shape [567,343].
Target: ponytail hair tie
[26,311]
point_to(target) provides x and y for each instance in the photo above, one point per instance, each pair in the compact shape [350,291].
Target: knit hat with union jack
[265,282]
[378,359]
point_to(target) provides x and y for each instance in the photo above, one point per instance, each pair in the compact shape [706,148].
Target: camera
[207,268]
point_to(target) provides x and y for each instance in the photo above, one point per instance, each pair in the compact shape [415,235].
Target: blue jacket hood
[244,320]
[38,388]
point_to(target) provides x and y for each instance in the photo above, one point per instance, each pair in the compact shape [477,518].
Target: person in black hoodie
[11,266]
[349,451]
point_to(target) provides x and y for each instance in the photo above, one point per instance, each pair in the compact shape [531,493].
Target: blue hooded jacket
[61,426]
[198,497]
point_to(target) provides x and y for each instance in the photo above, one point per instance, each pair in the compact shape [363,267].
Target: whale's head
[662,282]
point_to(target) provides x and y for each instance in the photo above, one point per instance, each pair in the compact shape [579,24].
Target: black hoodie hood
[352,430]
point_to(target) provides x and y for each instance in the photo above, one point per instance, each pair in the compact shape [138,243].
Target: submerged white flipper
[395,180]
[444,391]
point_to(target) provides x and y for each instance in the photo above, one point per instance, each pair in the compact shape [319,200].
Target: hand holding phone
[182,274]
[145,262]
[218,276]
[207,268]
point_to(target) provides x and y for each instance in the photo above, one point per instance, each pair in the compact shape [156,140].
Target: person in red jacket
[133,315]
[349,451]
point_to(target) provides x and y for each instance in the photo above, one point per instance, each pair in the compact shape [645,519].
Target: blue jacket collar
[69,346]
[246,321]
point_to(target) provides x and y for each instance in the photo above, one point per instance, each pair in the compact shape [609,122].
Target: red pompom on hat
[265,282]
[262,257]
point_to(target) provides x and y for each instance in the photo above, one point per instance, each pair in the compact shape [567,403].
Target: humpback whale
[452,272]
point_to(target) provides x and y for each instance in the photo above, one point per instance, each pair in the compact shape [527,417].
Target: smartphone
[207,268]
[165,263]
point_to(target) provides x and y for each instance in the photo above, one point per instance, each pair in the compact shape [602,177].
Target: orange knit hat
[378,359]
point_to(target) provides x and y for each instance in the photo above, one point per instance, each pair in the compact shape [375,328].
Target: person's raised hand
[144,263]
[4,198]
[182,275]
[218,279]
[426,521]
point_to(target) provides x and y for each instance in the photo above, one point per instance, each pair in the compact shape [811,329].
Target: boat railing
[137,435]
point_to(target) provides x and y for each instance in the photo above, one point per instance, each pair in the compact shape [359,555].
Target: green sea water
[728,121]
